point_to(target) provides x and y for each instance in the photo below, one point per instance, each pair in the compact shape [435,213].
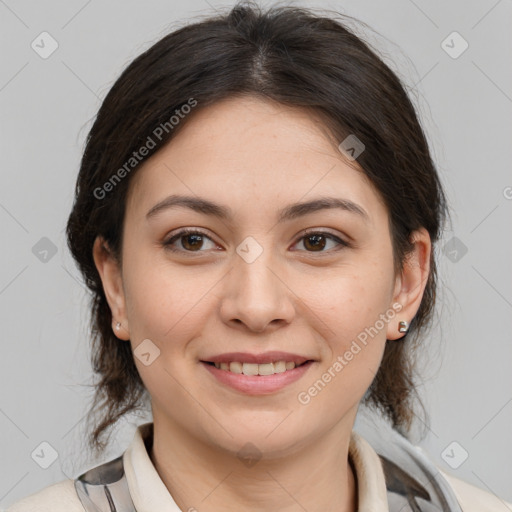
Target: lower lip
[258,384]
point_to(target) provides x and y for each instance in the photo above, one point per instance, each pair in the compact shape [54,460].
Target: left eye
[317,240]
[194,241]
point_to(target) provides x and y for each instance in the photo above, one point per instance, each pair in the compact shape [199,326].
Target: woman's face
[253,282]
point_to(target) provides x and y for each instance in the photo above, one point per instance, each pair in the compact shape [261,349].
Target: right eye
[191,240]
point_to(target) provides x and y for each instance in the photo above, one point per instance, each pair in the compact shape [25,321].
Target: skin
[256,157]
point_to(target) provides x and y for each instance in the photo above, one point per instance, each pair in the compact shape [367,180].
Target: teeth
[264,369]
[250,369]
[235,367]
[280,367]
[256,369]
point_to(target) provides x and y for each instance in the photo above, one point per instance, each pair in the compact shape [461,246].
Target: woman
[255,216]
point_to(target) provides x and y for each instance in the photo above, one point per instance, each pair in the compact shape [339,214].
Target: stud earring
[403,326]
[118,326]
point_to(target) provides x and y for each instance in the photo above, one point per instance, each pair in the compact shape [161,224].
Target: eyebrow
[293,211]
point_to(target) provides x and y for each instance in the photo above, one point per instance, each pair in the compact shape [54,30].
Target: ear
[111,278]
[410,283]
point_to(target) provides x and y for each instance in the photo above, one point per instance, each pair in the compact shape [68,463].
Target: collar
[149,493]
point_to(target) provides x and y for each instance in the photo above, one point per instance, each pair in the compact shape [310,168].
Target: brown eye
[188,240]
[314,242]
[192,242]
[317,241]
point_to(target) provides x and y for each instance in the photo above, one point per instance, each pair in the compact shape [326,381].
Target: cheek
[163,306]
[350,300]
[352,312]
[163,301]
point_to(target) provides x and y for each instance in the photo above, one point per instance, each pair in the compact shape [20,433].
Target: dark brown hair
[298,58]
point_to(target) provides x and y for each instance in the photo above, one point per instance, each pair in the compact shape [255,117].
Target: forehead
[247,151]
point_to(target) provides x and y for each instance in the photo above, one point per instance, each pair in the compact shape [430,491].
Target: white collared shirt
[149,493]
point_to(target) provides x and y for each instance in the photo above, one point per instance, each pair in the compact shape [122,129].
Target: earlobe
[410,284]
[111,278]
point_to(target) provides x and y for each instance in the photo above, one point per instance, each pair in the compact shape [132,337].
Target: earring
[403,326]
[118,326]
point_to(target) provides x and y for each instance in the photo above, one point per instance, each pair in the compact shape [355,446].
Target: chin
[270,443]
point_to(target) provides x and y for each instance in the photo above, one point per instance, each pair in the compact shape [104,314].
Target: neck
[317,477]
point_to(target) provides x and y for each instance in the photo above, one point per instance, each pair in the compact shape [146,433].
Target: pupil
[316,243]
[195,244]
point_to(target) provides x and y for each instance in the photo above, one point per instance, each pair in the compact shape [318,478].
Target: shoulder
[474,499]
[59,497]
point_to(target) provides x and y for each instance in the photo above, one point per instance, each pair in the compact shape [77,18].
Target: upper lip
[264,357]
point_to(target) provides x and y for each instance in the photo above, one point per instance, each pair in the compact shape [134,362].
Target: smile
[257,379]
[256,369]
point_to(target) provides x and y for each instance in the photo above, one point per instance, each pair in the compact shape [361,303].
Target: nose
[256,296]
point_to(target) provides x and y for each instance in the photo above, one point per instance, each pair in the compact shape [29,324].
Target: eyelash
[188,231]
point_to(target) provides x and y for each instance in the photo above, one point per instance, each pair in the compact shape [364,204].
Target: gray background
[46,110]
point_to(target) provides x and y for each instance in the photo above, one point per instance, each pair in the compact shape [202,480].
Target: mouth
[254,378]
[254,369]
